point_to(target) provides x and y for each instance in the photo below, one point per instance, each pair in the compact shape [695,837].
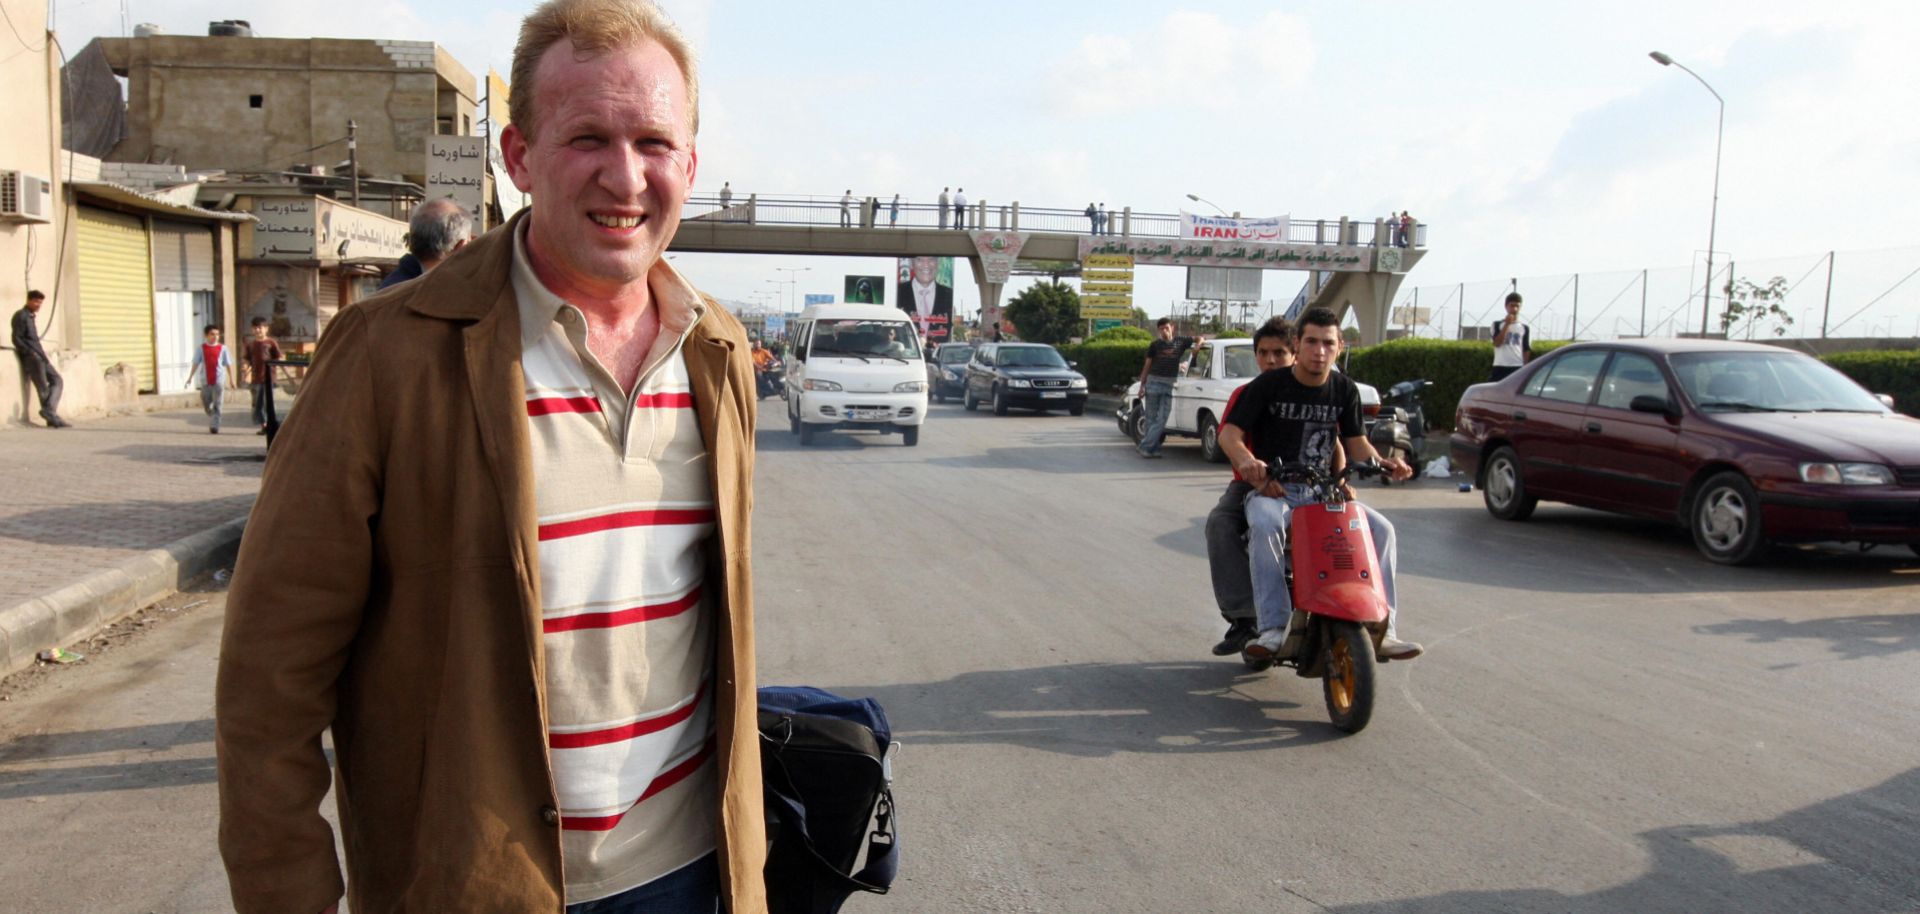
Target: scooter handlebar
[1315,474]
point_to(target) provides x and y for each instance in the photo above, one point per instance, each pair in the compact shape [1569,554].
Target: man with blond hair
[502,553]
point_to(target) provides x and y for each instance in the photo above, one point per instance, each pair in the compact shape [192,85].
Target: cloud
[1189,59]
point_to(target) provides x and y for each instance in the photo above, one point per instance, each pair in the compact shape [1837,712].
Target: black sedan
[947,370]
[1024,375]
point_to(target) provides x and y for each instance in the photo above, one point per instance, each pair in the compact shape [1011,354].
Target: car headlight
[818,384]
[1846,474]
[1078,383]
[1016,382]
[909,387]
[956,374]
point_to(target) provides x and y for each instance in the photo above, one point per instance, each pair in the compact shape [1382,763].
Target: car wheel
[967,399]
[1137,422]
[793,417]
[1080,410]
[999,402]
[1210,440]
[910,435]
[1504,489]
[939,396]
[1914,547]
[806,434]
[1726,520]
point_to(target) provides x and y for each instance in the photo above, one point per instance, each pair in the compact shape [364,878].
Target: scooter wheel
[1349,677]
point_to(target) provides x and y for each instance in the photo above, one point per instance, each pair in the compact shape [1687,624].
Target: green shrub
[1122,332]
[1235,334]
[1109,365]
[1895,373]
[1452,366]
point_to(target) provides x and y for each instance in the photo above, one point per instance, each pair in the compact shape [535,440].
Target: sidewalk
[87,509]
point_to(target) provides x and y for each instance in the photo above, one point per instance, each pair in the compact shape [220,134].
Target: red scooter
[1339,604]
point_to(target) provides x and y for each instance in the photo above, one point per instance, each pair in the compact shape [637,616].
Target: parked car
[1023,375]
[1741,443]
[1214,369]
[947,370]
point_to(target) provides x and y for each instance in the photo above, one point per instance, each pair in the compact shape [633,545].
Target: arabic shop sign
[1269,230]
[316,228]
[1203,253]
[457,168]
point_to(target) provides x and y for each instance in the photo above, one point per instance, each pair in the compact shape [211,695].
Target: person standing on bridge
[846,214]
[726,195]
[1093,221]
[1101,226]
[1406,228]
[943,207]
[960,209]
[502,549]
[893,212]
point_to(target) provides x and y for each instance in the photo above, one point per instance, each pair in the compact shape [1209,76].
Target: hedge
[1895,373]
[1122,332]
[1109,365]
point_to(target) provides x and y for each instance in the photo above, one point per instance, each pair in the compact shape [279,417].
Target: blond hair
[594,27]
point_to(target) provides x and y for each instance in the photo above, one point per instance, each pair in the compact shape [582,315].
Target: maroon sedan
[1744,444]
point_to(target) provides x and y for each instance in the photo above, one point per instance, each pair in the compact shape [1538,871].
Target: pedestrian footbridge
[1350,264]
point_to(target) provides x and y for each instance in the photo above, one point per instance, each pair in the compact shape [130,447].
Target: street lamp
[792,277]
[1199,199]
[1713,220]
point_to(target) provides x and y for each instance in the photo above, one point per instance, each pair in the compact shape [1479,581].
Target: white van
[856,367]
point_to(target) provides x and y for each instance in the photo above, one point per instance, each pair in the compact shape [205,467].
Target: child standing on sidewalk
[212,368]
[256,372]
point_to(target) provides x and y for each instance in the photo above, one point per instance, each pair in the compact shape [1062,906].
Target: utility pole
[1827,309]
[353,160]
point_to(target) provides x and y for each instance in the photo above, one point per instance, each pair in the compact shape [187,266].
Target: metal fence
[1846,293]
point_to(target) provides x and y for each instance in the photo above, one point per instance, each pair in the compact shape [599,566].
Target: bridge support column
[989,298]
[1370,295]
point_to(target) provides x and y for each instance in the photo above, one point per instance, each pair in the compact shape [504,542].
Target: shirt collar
[679,305]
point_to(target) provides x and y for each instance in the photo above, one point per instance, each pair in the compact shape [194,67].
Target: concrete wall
[31,253]
[189,101]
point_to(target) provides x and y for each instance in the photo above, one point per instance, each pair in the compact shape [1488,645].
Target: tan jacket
[387,587]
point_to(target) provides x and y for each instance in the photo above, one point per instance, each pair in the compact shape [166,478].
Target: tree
[1045,313]
[1749,305]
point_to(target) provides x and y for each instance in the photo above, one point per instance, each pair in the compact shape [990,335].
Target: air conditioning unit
[25,197]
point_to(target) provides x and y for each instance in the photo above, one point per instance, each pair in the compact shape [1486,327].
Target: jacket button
[549,815]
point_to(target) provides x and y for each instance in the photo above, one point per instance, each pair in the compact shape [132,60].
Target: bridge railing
[883,213]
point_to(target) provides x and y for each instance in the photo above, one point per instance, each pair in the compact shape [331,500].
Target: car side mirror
[1886,400]
[1648,403]
[1073,364]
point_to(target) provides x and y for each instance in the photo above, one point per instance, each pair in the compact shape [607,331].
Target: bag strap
[882,863]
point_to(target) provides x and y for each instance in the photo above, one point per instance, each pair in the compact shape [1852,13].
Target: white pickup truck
[1212,372]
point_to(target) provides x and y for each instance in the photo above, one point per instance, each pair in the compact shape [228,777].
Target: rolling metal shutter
[116,292]
[182,257]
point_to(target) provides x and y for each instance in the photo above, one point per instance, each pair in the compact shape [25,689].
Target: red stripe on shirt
[621,617]
[679,400]
[667,779]
[638,728]
[549,405]
[664,517]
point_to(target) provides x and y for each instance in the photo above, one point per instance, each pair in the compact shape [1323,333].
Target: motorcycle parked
[1339,602]
[1401,429]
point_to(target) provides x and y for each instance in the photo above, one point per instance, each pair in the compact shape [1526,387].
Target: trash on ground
[186,607]
[222,575]
[1438,467]
[60,655]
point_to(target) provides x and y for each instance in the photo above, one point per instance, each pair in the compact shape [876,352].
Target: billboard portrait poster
[865,290]
[924,289]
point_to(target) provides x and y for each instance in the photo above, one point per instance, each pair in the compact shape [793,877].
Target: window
[1202,360]
[1570,378]
[1242,363]
[1631,375]
[255,101]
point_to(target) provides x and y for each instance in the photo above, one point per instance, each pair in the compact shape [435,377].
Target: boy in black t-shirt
[1301,415]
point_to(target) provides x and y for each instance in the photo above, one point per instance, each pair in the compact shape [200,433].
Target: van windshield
[864,339]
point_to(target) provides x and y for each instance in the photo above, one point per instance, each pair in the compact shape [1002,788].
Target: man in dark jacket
[437,229]
[34,363]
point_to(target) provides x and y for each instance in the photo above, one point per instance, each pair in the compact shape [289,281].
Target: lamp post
[1199,199]
[792,277]
[1713,222]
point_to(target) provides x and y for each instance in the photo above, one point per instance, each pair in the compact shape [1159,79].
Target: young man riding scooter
[1297,415]
[1227,522]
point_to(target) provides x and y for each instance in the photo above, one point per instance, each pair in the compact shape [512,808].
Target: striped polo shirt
[625,508]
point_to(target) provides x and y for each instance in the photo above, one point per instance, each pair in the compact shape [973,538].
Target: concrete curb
[59,618]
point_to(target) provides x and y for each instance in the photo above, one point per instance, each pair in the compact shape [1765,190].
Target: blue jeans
[691,889]
[1159,393]
[1267,550]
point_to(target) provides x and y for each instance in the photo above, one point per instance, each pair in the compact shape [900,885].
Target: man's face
[1319,346]
[1165,331]
[1271,352]
[923,268]
[610,164]
[33,305]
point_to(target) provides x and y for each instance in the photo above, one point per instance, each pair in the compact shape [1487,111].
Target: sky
[1534,139]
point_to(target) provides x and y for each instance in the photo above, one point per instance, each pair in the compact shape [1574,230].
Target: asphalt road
[1603,722]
